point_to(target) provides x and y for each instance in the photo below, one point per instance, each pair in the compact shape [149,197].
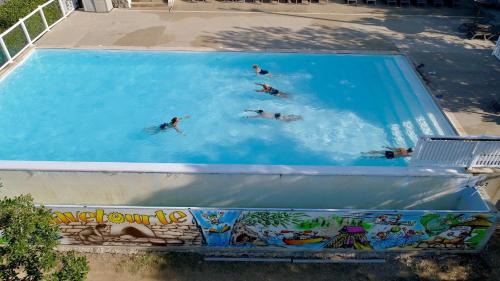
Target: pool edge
[184,168]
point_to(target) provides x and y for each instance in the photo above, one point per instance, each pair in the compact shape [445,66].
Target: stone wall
[80,233]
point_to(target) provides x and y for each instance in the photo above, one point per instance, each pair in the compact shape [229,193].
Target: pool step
[149,3]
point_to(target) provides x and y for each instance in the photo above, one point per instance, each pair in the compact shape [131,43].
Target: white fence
[15,40]
[496,51]
[470,152]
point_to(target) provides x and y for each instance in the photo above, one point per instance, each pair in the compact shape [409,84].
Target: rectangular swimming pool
[94,106]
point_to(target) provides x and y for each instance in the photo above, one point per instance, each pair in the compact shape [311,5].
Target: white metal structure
[454,151]
[496,51]
[66,7]
[98,6]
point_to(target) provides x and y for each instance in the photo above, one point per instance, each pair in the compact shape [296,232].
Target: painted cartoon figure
[93,234]
[387,220]
[454,237]
[214,218]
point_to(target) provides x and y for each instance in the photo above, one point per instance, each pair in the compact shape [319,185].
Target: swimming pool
[94,106]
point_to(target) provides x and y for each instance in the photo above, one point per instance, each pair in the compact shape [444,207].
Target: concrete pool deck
[462,71]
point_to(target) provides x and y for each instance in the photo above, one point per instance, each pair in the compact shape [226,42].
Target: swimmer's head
[409,150]
[174,120]
[260,111]
[255,66]
[277,115]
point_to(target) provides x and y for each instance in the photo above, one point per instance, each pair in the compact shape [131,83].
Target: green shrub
[73,268]
[29,238]
[15,40]
[52,12]
[13,10]
[34,24]
[3,58]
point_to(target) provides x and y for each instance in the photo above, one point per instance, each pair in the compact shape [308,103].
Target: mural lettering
[100,216]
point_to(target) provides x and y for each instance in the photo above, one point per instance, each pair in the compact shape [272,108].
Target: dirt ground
[192,267]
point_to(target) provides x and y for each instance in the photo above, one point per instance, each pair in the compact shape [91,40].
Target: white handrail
[453,151]
[21,23]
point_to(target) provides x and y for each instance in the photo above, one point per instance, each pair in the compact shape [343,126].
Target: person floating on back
[268,115]
[260,71]
[165,126]
[390,153]
[270,90]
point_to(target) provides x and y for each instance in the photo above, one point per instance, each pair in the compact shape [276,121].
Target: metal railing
[19,37]
[496,51]
[467,152]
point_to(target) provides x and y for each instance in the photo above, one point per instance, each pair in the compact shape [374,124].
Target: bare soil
[192,267]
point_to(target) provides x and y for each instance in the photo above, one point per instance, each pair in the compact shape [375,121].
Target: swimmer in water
[390,153]
[277,116]
[165,126]
[260,71]
[270,90]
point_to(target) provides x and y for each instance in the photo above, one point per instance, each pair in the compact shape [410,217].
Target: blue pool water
[72,105]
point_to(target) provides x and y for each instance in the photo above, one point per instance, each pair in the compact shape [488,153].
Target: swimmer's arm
[179,131]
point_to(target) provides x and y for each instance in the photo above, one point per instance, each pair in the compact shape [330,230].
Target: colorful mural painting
[216,225]
[141,226]
[379,231]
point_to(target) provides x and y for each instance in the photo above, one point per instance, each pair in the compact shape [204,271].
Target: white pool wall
[290,187]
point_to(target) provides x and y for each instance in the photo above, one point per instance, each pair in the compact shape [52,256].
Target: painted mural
[379,231]
[118,227]
[216,225]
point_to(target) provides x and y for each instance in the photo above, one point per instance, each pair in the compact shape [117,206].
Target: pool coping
[233,169]
[184,168]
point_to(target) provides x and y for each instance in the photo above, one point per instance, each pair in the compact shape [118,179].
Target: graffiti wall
[121,227]
[406,230]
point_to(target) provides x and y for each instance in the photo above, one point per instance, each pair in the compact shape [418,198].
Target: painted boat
[291,241]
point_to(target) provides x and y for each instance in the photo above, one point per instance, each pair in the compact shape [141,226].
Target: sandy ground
[192,267]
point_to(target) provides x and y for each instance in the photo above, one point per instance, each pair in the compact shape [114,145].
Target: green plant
[73,268]
[29,240]
[273,218]
[318,222]
[15,41]
[13,10]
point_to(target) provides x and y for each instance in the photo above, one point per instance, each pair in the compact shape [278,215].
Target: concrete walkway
[466,74]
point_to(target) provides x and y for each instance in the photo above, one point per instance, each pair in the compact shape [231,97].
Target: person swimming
[277,116]
[165,126]
[260,71]
[390,153]
[271,91]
